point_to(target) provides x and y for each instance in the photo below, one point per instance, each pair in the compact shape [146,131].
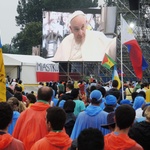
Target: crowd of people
[76,114]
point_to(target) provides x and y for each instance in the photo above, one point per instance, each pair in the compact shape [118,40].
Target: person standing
[7,142]
[119,139]
[93,116]
[79,104]
[31,126]
[140,131]
[128,91]
[56,139]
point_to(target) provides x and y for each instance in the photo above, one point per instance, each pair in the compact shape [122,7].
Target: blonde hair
[147,113]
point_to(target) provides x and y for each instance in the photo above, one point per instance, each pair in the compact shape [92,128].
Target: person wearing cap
[110,122]
[110,103]
[82,44]
[93,116]
[138,105]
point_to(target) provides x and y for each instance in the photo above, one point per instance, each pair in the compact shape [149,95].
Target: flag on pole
[115,76]
[108,62]
[2,78]
[139,64]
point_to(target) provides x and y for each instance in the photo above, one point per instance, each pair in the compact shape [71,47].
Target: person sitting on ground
[56,139]
[119,139]
[7,142]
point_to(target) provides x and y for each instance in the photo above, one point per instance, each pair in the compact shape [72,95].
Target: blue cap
[110,100]
[139,101]
[125,101]
[96,94]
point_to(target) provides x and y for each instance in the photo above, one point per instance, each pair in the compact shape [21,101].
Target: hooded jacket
[53,141]
[16,115]
[31,125]
[120,142]
[93,117]
[140,132]
[7,142]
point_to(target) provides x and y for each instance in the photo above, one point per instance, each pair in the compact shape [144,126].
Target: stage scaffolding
[141,18]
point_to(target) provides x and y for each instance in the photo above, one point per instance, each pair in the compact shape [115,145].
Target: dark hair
[115,83]
[69,106]
[94,101]
[74,93]
[10,90]
[20,81]
[92,88]
[134,94]
[31,98]
[142,93]
[102,90]
[90,139]
[12,101]
[6,114]
[18,88]
[57,117]
[18,96]
[70,86]
[45,93]
[125,116]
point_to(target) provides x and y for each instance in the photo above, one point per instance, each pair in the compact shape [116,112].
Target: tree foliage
[30,36]
[69,4]
[29,11]
[30,19]
[9,48]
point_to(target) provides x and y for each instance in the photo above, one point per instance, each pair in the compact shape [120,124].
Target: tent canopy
[18,60]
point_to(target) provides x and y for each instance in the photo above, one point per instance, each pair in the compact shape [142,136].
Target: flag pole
[121,61]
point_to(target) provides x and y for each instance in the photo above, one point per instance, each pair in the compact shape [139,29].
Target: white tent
[23,66]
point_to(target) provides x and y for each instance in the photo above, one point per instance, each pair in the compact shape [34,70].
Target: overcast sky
[8,27]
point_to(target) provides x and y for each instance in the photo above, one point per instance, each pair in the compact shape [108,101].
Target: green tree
[69,4]
[29,11]
[6,48]
[9,48]
[30,36]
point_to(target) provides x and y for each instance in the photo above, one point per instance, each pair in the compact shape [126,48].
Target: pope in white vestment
[84,45]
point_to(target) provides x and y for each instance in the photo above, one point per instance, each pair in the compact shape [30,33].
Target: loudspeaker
[134,4]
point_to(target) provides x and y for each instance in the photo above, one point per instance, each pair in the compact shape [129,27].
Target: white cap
[76,13]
